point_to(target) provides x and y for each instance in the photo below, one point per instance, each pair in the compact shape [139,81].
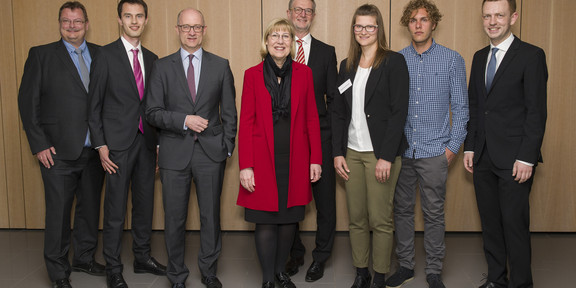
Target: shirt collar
[505,45]
[71,47]
[197,54]
[430,49]
[306,39]
[128,46]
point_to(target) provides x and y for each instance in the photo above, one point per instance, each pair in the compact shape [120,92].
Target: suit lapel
[510,54]
[178,69]
[372,81]
[66,59]
[314,53]
[204,73]
[125,64]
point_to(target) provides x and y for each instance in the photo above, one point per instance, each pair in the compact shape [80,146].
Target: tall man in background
[321,58]
[508,91]
[53,103]
[191,99]
[437,90]
[125,141]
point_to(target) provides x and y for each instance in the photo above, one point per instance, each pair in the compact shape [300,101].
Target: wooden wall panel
[7,126]
[234,31]
[553,199]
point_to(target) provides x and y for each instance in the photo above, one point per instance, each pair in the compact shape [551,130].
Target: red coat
[256,139]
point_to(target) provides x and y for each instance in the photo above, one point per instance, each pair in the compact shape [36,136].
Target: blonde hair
[278,24]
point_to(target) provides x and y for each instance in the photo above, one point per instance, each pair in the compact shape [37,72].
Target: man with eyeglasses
[437,90]
[53,103]
[191,99]
[125,142]
[321,58]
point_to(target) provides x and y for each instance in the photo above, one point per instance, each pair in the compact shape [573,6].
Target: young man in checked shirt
[437,86]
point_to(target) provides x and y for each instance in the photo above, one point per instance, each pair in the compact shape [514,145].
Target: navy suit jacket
[509,120]
[115,106]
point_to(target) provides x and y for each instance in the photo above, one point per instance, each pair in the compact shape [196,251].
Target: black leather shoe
[315,272]
[178,285]
[64,283]
[292,265]
[151,266]
[92,268]
[284,281]
[116,281]
[361,282]
[268,284]
[211,282]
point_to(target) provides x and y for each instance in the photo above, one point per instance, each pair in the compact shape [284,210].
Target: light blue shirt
[437,87]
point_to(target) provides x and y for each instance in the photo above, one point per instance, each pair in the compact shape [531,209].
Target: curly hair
[433,13]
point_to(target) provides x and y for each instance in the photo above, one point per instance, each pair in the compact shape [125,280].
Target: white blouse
[358,133]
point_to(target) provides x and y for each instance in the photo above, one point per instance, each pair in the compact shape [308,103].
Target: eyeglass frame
[371,27]
[76,22]
[299,10]
[196,28]
[275,37]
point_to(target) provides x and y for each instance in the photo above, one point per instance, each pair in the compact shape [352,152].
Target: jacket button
[486,112]
[368,116]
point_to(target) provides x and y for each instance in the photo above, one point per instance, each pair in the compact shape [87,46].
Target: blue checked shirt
[437,86]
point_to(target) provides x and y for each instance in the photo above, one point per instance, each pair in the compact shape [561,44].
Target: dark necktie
[139,82]
[491,69]
[190,78]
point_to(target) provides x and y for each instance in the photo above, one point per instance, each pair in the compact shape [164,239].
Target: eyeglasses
[77,22]
[187,28]
[298,10]
[368,28]
[275,37]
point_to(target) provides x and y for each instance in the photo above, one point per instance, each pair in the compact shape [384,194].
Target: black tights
[273,243]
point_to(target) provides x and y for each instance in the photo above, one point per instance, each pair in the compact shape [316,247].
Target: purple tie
[190,78]
[139,82]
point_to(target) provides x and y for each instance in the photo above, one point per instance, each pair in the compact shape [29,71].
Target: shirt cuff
[525,163]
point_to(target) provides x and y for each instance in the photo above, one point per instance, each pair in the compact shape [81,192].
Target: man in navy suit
[191,99]
[321,58]
[53,103]
[125,141]
[507,95]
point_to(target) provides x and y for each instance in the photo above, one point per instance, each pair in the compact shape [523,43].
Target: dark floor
[554,262]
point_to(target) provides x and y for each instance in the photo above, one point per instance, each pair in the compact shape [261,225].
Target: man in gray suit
[191,99]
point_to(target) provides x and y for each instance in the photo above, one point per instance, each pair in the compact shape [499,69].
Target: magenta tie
[139,82]
[190,79]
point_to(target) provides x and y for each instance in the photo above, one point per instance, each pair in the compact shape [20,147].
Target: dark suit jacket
[53,101]
[168,102]
[322,61]
[386,108]
[256,139]
[115,106]
[510,119]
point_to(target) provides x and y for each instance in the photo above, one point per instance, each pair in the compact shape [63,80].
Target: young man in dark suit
[125,141]
[507,95]
[53,103]
[321,58]
[191,99]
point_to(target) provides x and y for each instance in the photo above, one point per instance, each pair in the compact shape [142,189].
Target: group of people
[386,123]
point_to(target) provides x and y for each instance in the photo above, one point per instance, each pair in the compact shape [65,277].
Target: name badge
[345,86]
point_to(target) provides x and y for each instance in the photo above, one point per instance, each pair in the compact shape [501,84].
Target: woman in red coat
[279,148]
